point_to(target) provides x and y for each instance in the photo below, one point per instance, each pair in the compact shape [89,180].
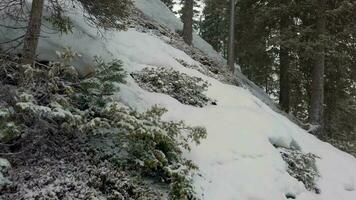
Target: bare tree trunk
[188,21]
[231,45]
[33,32]
[284,63]
[316,113]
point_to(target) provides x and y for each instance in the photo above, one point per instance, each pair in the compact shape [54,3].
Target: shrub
[302,167]
[154,147]
[186,89]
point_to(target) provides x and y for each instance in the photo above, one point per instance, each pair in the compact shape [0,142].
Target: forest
[177,99]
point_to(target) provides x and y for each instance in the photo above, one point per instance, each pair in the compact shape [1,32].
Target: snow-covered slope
[237,161]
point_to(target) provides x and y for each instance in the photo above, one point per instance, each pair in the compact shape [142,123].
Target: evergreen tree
[285,40]
[188,14]
[284,63]
[316,113]
[231,46]
[214,26]
[33,32]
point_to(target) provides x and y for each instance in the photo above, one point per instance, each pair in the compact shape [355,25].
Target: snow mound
[238,160]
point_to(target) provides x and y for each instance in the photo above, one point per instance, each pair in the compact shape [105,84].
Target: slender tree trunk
[231,45]
[188,21]
[316,114]
[33,32]
[284,62]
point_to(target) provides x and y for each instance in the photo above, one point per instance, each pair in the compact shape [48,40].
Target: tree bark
[316,113]
[284,62]
[188,21]
[231,45]
[33,32]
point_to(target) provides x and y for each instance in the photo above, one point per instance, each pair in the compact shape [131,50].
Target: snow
[157,11]
[238,160]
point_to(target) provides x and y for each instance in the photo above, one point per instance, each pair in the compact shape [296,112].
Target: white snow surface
[237,161]
[157,11]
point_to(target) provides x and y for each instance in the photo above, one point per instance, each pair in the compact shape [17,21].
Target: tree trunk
[188,21]
[231,45]
[316,113]
[284,62]
[33,32]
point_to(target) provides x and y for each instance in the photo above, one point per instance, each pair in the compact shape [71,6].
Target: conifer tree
[231,45]
[188,14]
[33,32]
[284,61]
[316,113]
[214,26]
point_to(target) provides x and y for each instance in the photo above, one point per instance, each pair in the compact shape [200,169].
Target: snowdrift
[238,160]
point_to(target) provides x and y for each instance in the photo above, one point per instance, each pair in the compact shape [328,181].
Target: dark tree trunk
[284,63]
[33,32]
[231,46]
[188,21]
[316,114]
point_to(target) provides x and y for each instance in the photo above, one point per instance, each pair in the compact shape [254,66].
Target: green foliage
[108,14]
[61,23]
[214,27]
[186,89]
[105,82]
[302,167]
[106,75]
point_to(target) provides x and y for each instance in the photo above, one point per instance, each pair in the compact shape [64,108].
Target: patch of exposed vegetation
[186,89]
[207,70]
[302,167]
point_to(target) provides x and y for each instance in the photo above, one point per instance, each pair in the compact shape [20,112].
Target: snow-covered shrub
[152,146]
[9,128]
[302,167]
[203,69]
[186,89]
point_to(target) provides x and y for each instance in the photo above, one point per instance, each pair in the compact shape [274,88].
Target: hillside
[251,148]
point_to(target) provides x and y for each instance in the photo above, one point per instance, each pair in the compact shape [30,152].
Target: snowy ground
[238,160]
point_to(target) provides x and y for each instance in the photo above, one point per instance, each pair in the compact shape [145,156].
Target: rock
[4,165]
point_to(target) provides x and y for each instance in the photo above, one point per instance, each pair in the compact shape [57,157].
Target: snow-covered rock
[238,160]
[4,165]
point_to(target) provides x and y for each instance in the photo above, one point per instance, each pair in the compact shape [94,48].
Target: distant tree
[285,22]
[188,14]
[316,113]
[231,45]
